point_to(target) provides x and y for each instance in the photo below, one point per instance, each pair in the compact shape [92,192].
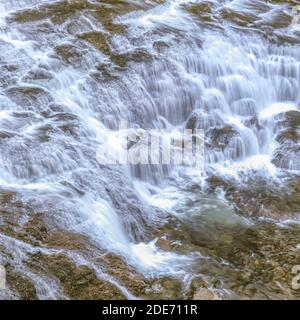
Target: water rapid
[72,71]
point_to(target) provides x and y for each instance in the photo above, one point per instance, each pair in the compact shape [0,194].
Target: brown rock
[165,288]
[78,282]
[205,294]
[164,244]
[130,277]
[21,284]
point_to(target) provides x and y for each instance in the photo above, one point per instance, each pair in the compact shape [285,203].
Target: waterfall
[68,81]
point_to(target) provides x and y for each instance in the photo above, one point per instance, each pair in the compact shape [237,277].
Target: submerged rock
[221,137]
[30,96]
[260,198]
[287,155]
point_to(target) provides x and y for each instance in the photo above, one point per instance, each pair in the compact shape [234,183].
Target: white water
[229,78]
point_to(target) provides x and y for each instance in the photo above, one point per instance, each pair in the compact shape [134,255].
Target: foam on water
[167,13]
[257,162]
[275,109]
[2,16]
[108,229]
[162,198]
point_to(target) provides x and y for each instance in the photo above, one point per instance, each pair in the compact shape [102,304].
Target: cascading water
[73,70]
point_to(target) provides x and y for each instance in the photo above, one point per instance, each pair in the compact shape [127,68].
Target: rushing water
[71,71]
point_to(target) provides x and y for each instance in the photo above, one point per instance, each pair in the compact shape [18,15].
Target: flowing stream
[72,71]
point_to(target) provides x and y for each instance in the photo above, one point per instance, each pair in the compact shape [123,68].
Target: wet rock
[106,14]
[292,118]
[288,135]
[66,240]
[129,276]
[215,182]
[38,74]
[58,12]
[53,109]
[197,288]
[6,134]
[199,119]
[202,10]
[164,244]
[61,12]
[193,121]
[69,53]
[259,197]
[205,294]
[239,18]
[161,46]
[165,288]
[34,231]
[266,200]
[99,41]
[103,43]
[11,213]
[226,238]
[287,157]
[198,282]
[78,282]
[253,122]
[253,264]
[220,137]
[21,284]
[280,19]
[29,96]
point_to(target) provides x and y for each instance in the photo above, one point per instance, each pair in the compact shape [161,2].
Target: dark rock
[292,119]
[215,182]
[287,157]
[288,135]
[220,137]
[29,96]
[193,121]
[252,122]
